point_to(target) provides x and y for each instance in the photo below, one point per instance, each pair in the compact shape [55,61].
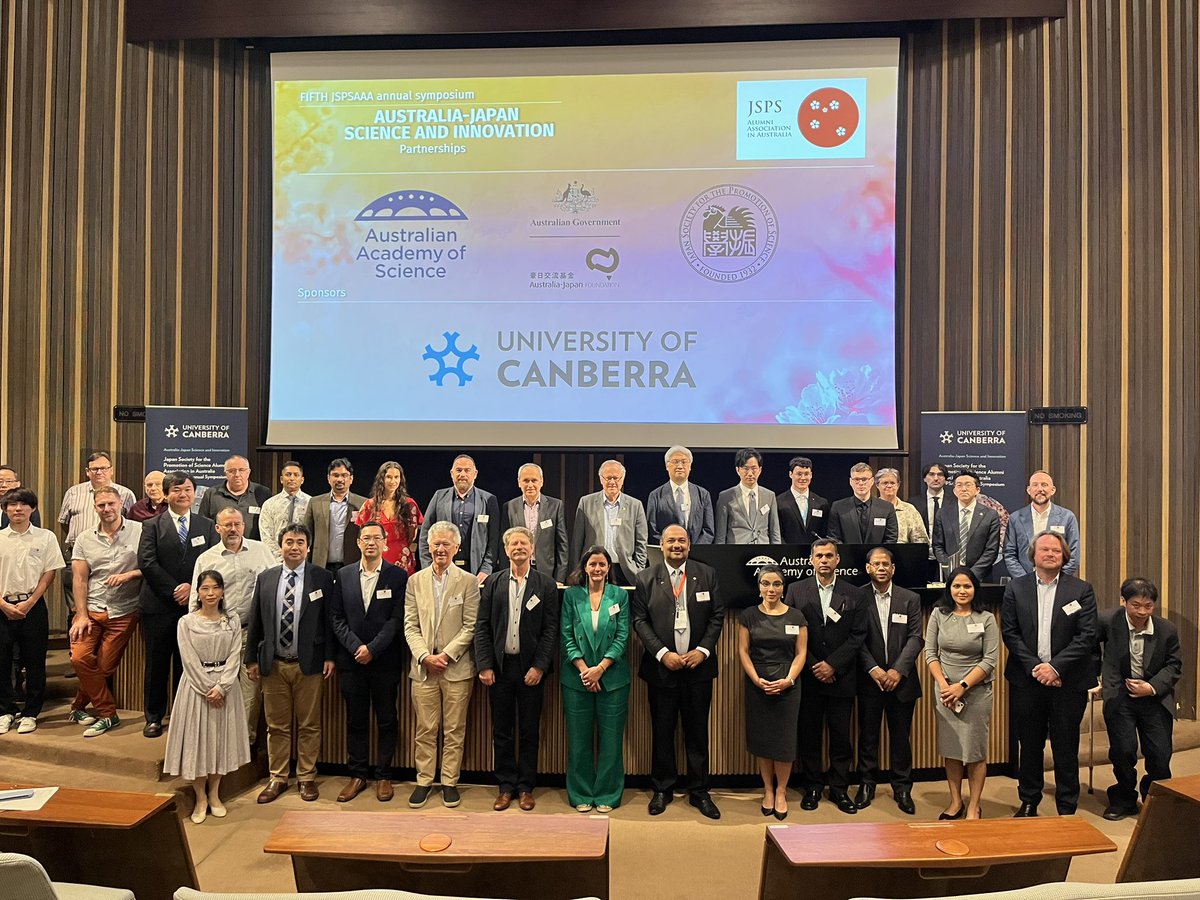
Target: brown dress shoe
[308,791]
[353,788]
[384,790]
[502,802]
[526,802]
[274,788]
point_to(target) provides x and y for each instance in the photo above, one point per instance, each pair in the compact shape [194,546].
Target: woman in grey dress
[208,732]
[962,645]
[772,644]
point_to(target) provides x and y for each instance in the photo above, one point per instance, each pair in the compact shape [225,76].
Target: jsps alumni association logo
[729,233]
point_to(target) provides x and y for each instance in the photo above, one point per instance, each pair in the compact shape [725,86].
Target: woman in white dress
[207,737]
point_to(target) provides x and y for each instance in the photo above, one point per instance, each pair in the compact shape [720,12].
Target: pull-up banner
[990,444]
[195,439]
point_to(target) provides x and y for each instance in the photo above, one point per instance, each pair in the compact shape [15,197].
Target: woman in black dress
[772,643]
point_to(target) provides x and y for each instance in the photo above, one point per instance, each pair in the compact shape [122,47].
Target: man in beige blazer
[440,606]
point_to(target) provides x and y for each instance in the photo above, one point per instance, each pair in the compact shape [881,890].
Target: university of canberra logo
[451,349]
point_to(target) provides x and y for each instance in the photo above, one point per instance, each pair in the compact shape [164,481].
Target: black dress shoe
[1116,813]
[704,803]
[864,796]
[659,801]
[1026,811]
[811,800]
[950,817]
[904,800]
[767,810]
[152,730]
[845,804]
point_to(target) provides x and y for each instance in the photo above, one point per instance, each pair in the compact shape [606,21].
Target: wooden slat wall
[1047,236]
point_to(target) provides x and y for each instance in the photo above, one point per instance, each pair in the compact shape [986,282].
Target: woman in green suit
[595,683]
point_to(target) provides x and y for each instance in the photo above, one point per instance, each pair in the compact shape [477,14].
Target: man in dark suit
[474,511]
[837,626]
[680,502]
[330,519]
[543,516]
[516,637]
[1048,621]
[615,521]
[862,519]
[978,546]
[289,646]
[677,613]
[930,501]
[892,686]
[803,515]
[1142,665]
[366,614]
[167,555]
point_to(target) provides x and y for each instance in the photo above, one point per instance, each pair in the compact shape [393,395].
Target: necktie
[804,509]
[292,510]
[287,631]
[183,531]
[679,505]
[862,521]
[752,513]
[964,525]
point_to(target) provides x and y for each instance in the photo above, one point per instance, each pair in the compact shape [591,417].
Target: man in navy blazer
[892,686]
[1142,665]
[861,518]
[366,615]
[1041,515]
[1048,622]
[803,514]
[474,511]
[982,545]
[544,516]
[836,615]
[290,647]
[677,613]
[516,637]
[167,555]
[680,502]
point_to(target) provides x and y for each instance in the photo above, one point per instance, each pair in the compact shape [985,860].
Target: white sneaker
[28,724]
[6,723]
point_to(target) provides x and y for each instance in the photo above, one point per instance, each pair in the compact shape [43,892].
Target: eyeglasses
[861,479]
[237,471]
[98,470]
[750,468]
[371,540]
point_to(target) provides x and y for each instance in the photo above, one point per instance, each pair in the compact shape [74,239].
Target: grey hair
[610,462]
[446,528]
[677,449]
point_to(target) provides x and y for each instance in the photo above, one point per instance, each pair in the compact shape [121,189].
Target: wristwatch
[965,686]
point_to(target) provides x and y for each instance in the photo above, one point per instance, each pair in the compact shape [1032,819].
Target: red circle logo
[828,117]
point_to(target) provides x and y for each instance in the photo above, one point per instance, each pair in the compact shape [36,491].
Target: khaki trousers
[287,692]
[251,695]
[96,656]
[440,703]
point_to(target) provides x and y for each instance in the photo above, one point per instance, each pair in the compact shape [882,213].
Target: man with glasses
[330,519]
[680,502]
[615,521]
[238,492]
[861,518]
[10,481]
[78,511]
[747,513]
[154,501]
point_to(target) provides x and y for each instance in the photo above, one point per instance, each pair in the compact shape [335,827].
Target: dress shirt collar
[1148,631]
[299,570]
[969,509]
[800,497]
[1052,583]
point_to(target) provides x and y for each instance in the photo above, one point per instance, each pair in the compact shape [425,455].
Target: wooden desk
[109,838]
[491,854]
[1163,845]
[835,862]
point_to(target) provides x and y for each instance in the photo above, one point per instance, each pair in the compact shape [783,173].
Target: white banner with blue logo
[195,439]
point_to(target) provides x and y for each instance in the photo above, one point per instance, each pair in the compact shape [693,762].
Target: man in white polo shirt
[29,559]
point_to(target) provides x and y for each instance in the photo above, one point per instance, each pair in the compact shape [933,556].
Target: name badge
[1058,529]
[834,616]
[316,595]
[1071,608]
[546,523]
[533,601]
[617,520]
[899,618]
[254,510]
[681,621]
[974,628]
[764,509]
[483,520]
[461,563]
[456,600]
[816,513]
[614,609]
[703,596]
[791,629]
[880,521]
[385,594]
[198,541]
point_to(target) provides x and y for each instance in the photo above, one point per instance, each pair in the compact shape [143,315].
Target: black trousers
[365,688]
[817,711]
[1038,711]
[689,701]
[31,636]
[163,665]
[516,725]
[873,706]
[1130,721]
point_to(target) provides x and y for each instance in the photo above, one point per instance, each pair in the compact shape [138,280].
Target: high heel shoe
[781,815]
[961,814]
[767,811]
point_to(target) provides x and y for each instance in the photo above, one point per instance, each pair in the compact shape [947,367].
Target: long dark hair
[578,578]
[213,575]
[946,604]
[379,493]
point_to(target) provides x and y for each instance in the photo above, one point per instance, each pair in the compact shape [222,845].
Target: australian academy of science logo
[412,235]
[729,233]
[451,349]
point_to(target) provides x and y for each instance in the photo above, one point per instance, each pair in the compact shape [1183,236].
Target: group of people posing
[247,628]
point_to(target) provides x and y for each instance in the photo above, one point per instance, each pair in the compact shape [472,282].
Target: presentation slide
[586,247]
